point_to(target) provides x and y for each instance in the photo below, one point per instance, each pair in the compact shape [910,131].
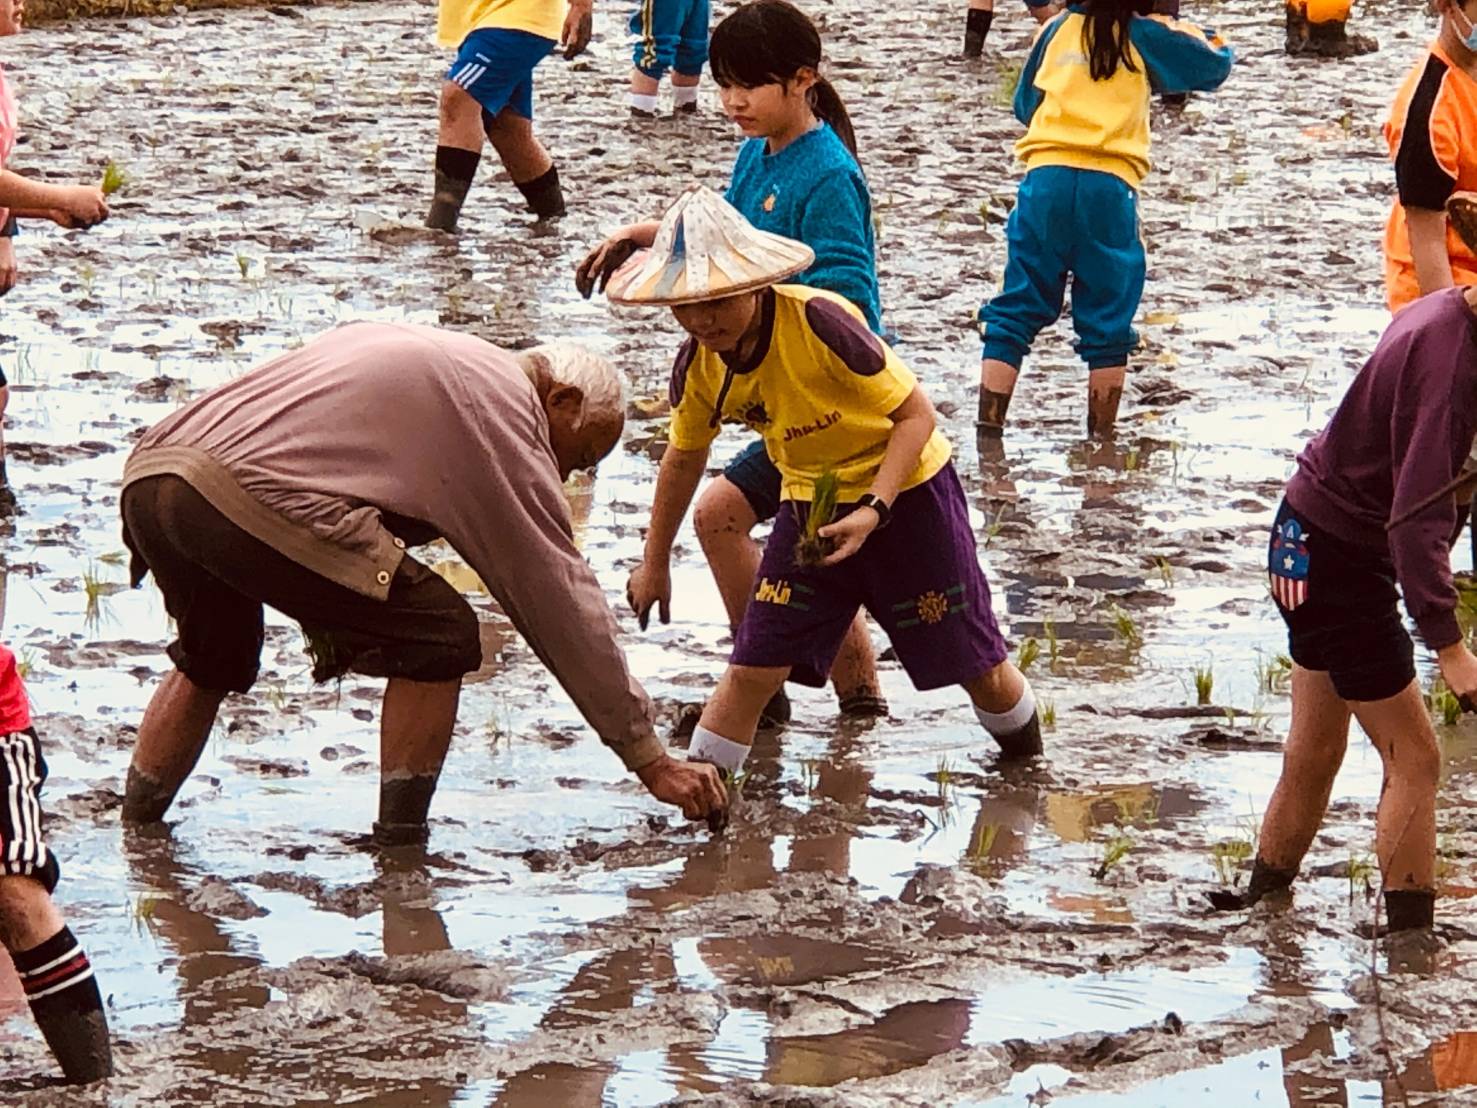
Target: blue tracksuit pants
[1077,224]
[670,34]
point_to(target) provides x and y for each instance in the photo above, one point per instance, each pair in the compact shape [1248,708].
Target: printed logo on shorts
[783,593]
[1287,564]
[930,608]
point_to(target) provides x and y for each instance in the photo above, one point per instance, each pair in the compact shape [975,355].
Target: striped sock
[64,998]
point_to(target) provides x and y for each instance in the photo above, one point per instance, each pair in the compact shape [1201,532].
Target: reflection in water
[904,1037]
[1075,816]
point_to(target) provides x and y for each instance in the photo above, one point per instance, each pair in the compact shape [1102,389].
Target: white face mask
[1470,39]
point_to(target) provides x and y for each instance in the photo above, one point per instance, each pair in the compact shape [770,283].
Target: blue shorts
[757,478]
[1077,225]
[495,67]
[670,34]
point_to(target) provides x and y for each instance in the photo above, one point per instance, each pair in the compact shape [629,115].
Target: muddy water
[891,920]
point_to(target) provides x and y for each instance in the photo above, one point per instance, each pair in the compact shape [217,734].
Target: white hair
[569,363]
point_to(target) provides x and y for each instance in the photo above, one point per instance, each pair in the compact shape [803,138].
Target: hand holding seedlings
[815,546]
[578,27]
[81,207]
[695,787]
[848,533]
[650,586]
[1459,671]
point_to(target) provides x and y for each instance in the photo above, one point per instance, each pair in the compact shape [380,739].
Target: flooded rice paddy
[891,919]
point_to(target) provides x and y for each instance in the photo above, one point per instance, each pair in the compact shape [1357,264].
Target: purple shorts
[920,578]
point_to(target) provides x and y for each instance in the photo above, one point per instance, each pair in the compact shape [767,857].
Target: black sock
[1025,743]
[976,29]
[455,169]
[1408,909]
[64,999]
[545,198]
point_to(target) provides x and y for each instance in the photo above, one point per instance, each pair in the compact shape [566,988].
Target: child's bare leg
[173,732]
[977,26]
[1104,391]
[1006,708]
[731,716]
[57,978]
[458,150]
[997,384]
[644,89]
[7,495]
[527,162]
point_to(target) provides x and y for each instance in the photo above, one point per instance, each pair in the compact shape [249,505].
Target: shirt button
[382,577]
[400,543]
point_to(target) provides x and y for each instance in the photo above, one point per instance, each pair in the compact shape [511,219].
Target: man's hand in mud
[1459,671]
[695,787]
[579,25]
[848,533]
[650,586]
[7,264]
[82,206]
[601,263]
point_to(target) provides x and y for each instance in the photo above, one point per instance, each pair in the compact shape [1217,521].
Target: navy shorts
[758,479]
[1341,609]
[919,577]
[495,67]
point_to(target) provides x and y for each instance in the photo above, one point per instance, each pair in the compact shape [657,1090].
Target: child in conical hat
[831,400]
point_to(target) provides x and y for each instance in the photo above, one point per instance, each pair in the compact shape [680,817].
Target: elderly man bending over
[300,485]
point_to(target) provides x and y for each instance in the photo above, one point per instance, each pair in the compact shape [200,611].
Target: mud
[893,917]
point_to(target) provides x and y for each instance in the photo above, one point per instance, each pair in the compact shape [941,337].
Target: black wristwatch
[878,505]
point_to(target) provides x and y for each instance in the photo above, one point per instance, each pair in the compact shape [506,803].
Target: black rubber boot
[1264,879]
[976,30]
[776,713]
[866,704]
[405,802]
[1022,744]
[544,196]
[446,204]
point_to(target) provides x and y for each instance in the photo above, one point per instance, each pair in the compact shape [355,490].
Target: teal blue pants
[1076,225]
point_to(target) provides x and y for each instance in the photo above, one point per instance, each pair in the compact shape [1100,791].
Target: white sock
[643,103]
[1003,724]
[683,94]
[709,746]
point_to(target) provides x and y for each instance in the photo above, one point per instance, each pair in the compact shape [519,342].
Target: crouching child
[836,407]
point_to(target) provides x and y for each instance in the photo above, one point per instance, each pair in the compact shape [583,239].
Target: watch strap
[878,505]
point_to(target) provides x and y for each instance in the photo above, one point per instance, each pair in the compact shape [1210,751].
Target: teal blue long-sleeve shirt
[813,191]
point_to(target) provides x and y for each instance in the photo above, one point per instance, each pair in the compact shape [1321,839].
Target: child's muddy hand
[578,28]
[648,587]
[848,533]
[7,265]
[85,205]
[601,264]
[695,787]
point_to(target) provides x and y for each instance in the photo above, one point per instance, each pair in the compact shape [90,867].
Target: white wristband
[709,746]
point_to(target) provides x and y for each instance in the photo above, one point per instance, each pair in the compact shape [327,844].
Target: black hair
[1106,36]
[767,42]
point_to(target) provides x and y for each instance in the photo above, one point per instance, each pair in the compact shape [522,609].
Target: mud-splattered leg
[458,150]
[416,722]
[527,162]
[173,732]
[997,384]
[1104,392]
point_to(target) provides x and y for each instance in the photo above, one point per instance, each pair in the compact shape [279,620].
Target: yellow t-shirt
[459,18]
[819,388]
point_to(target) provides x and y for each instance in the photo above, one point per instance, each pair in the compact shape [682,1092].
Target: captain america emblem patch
[1287,564]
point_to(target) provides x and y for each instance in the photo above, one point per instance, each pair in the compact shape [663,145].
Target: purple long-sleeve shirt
[1402,431]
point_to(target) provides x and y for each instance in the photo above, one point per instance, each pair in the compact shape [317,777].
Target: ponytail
[1106,37]
[826,103]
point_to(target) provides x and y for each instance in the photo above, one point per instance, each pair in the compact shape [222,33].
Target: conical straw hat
[705,250]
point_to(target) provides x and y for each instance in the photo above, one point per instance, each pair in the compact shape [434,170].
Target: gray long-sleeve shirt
[310,452]
[1401,433]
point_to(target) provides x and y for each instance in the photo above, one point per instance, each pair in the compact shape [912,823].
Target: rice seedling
[87,274]
[993,527]
[142,913]
[244,264]
[1227,855]
[1204,683]
[943,777]
[114,178]
[812,548]
[1116,848]
[1053,646]
[810,774]
[25,664]
[1003,95]
[1030,650]
[1166,571]
[1275,675]
[1444,704]
[1048,714]
[982,845]
[1125,628]
[95,590]
[1361,871]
